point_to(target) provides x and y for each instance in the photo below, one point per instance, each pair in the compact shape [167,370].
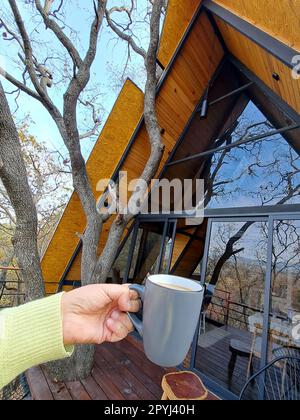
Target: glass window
[151,255]
[229,349]
[284,327]
[255,174]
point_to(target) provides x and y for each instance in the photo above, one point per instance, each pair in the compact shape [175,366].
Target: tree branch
[62,37]
[151,121]
[13,35]
[108,255]
[14,177]
[95,29]
[19,85]
[29,60]
[90,133]
[121,34]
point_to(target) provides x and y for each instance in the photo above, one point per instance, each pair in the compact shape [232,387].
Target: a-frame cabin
[242,56]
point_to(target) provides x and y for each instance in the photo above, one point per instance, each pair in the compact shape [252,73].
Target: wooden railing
[7,288]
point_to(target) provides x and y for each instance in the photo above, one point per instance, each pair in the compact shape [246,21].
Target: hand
[95,314]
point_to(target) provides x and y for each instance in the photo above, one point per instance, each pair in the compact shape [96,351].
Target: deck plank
[213,361]
[93,389]
[106,384]
[58,389]
[138,386]
[77,391]
[133,365]
[134,341]
[115,376]
[121,372]
[37,382]
[153,371]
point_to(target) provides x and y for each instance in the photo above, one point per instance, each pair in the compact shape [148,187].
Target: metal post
[268,288]
[267,303]
[203,273]
[234,92]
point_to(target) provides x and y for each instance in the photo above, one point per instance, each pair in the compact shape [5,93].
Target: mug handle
[137,323]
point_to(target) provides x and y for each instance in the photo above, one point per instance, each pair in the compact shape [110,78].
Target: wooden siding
[262,64]
[181,242]
[278,18]
[177,20]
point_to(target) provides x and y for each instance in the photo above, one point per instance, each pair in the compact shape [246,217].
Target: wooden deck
[121,372]
[213,360]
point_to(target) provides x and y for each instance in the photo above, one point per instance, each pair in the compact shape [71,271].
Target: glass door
[284,314]
[228,349]
[151,250]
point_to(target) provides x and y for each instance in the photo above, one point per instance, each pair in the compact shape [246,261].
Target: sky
[259,169]
[107,69]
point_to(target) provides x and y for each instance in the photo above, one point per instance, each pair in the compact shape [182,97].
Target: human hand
[97,313]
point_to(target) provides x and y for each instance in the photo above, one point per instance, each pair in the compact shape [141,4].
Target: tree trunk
[110,250]
[229,252]
[14,177]
[77,368]
[109,253]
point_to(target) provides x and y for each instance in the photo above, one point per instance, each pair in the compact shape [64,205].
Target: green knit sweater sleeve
[29,336]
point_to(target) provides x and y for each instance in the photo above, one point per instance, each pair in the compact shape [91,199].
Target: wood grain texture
[262,64]
[278,18]
[180,244]
[37,381]
[179,15]
[191,254]
[121,372]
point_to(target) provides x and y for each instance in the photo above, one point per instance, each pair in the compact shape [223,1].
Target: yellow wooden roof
[263,65]
[177,20]
[278,18]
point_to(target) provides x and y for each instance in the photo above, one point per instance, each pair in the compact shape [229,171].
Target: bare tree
[37,80]
[14,177]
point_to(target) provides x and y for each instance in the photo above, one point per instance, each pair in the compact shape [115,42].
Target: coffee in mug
[175,287]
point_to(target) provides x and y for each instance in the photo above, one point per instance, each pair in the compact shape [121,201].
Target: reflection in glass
[285,293]
[255,174]
[151,255]
[228,350]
